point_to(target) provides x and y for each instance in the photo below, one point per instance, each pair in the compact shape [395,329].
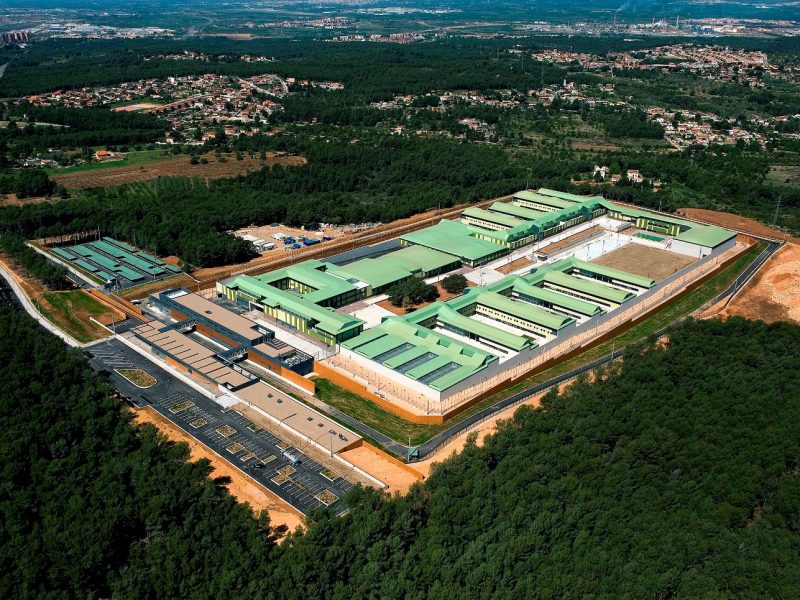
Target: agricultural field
[121,172]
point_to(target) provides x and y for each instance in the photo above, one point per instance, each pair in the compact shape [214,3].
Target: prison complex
[443,350]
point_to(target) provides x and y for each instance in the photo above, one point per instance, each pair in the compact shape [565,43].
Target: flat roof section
[307,422]
[216,313]
[376,272]
[453,238]
[191,353]
[416,258]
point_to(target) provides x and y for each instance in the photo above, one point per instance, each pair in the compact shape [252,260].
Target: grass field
[399,429]
[71,311]
[373,415]
[150,164]
[136,157]
[145,289]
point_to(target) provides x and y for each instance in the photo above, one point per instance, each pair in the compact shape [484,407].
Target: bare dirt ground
[241,487]
[774,293]
[12,200]
[170,167]
[514,265]
[732,221]
[135,107]
[789,174]
[394,476]
[645,261]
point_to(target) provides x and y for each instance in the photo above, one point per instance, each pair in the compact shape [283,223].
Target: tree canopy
[674,475]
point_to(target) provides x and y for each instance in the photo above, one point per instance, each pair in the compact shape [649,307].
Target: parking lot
[277,465]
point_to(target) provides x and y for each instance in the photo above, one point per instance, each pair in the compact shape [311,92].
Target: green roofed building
[686,233]
[291,308]
[528,199]
[567,195]
[456,239]
[426,357]
[490,220]
[515,210]
[381,273]
[312,281]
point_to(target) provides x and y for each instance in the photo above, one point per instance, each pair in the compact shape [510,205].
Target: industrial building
[245,339]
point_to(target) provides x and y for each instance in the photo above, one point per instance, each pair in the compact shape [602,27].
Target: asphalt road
[229,434]
[7,297]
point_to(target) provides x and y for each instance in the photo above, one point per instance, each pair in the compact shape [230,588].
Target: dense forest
[379,70]
[55,127]
[379,180]
[32,264]
[677,476]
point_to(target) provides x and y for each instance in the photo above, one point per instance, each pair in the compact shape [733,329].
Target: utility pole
[777,210]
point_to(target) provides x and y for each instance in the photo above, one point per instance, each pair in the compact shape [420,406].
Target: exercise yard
[645,261]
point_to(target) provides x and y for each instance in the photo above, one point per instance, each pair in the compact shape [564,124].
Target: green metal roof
[706,235]
[325,319]
[523,310]
[394,266]
[529,214]
[416,258]
[499,336]
[540,199]
[592,288]
[373,271]
[396,333]
[571,303]
[492,217]
[453,238]
[611,272]
[567,195]
[311,273]
[709,236]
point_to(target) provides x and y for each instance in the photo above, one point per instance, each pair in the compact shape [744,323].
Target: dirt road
[732,221]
